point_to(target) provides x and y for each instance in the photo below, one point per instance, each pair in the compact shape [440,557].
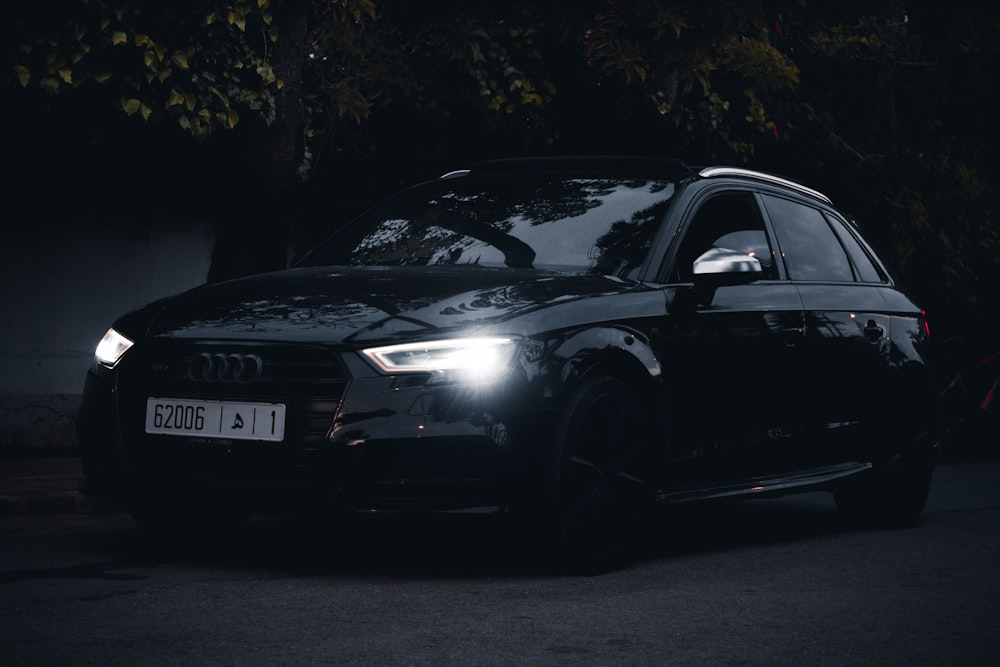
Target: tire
[894,492]
[593,492]
[892,496]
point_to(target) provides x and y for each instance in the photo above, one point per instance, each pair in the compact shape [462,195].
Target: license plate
[215,419]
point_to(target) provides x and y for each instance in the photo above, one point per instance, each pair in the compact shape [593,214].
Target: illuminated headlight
[471,358]
[111,348]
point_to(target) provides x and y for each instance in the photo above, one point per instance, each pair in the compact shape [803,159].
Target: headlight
[111,348]
[472,358]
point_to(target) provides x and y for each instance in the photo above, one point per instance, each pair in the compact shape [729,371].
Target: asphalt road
[769,582]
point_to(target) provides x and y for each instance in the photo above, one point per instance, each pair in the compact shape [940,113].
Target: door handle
[873,332]
[793,336]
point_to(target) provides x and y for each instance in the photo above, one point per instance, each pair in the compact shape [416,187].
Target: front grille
[309,380]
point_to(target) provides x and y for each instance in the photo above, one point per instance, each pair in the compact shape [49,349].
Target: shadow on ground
[471,545]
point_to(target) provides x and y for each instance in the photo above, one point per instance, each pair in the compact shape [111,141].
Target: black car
[567,339]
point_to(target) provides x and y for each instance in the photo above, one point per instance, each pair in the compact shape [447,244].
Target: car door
[732,357]
[847,325]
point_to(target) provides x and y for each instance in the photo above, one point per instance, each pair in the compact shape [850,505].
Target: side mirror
[721,267]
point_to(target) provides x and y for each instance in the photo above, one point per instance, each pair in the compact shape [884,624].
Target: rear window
[863,264]
[809,246]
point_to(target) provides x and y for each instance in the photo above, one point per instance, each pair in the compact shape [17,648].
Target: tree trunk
[252,235]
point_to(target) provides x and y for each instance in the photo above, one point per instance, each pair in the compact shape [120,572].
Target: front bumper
[371,443]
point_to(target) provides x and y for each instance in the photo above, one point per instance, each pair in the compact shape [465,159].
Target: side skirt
[770,484]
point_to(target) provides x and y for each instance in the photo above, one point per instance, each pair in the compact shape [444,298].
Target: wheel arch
[619,352]
[915,396]
[614,351]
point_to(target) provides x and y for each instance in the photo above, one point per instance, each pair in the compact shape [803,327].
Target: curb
[42,503]
[43,485]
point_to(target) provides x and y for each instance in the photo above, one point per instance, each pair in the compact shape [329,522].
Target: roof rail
[713,172]
[586,165]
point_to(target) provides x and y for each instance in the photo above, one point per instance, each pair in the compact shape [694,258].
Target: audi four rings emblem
[219,367]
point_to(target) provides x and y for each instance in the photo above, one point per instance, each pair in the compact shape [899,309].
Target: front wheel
[593,484]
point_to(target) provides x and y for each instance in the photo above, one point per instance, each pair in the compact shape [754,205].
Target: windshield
[602,226]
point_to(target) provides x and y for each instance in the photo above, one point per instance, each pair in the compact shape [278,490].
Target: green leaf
[237,16]
[23,74]
[50,84]
[179,58]
[131,106]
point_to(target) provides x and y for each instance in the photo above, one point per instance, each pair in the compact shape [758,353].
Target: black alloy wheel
[592,488]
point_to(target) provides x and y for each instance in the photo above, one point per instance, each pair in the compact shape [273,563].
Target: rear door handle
[793,336]
[873,332]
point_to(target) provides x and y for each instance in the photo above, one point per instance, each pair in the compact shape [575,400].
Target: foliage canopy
[879,103]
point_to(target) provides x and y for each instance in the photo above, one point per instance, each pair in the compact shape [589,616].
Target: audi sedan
[568,340]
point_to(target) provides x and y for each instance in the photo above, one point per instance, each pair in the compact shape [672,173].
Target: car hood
[350,305]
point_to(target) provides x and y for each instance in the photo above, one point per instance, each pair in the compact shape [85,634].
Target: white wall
[61,289]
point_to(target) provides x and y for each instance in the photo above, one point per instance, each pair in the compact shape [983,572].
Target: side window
[732,221]
[867,271]
[810,248]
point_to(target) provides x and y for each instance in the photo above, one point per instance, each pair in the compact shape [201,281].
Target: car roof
[626,165]
[589,165]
